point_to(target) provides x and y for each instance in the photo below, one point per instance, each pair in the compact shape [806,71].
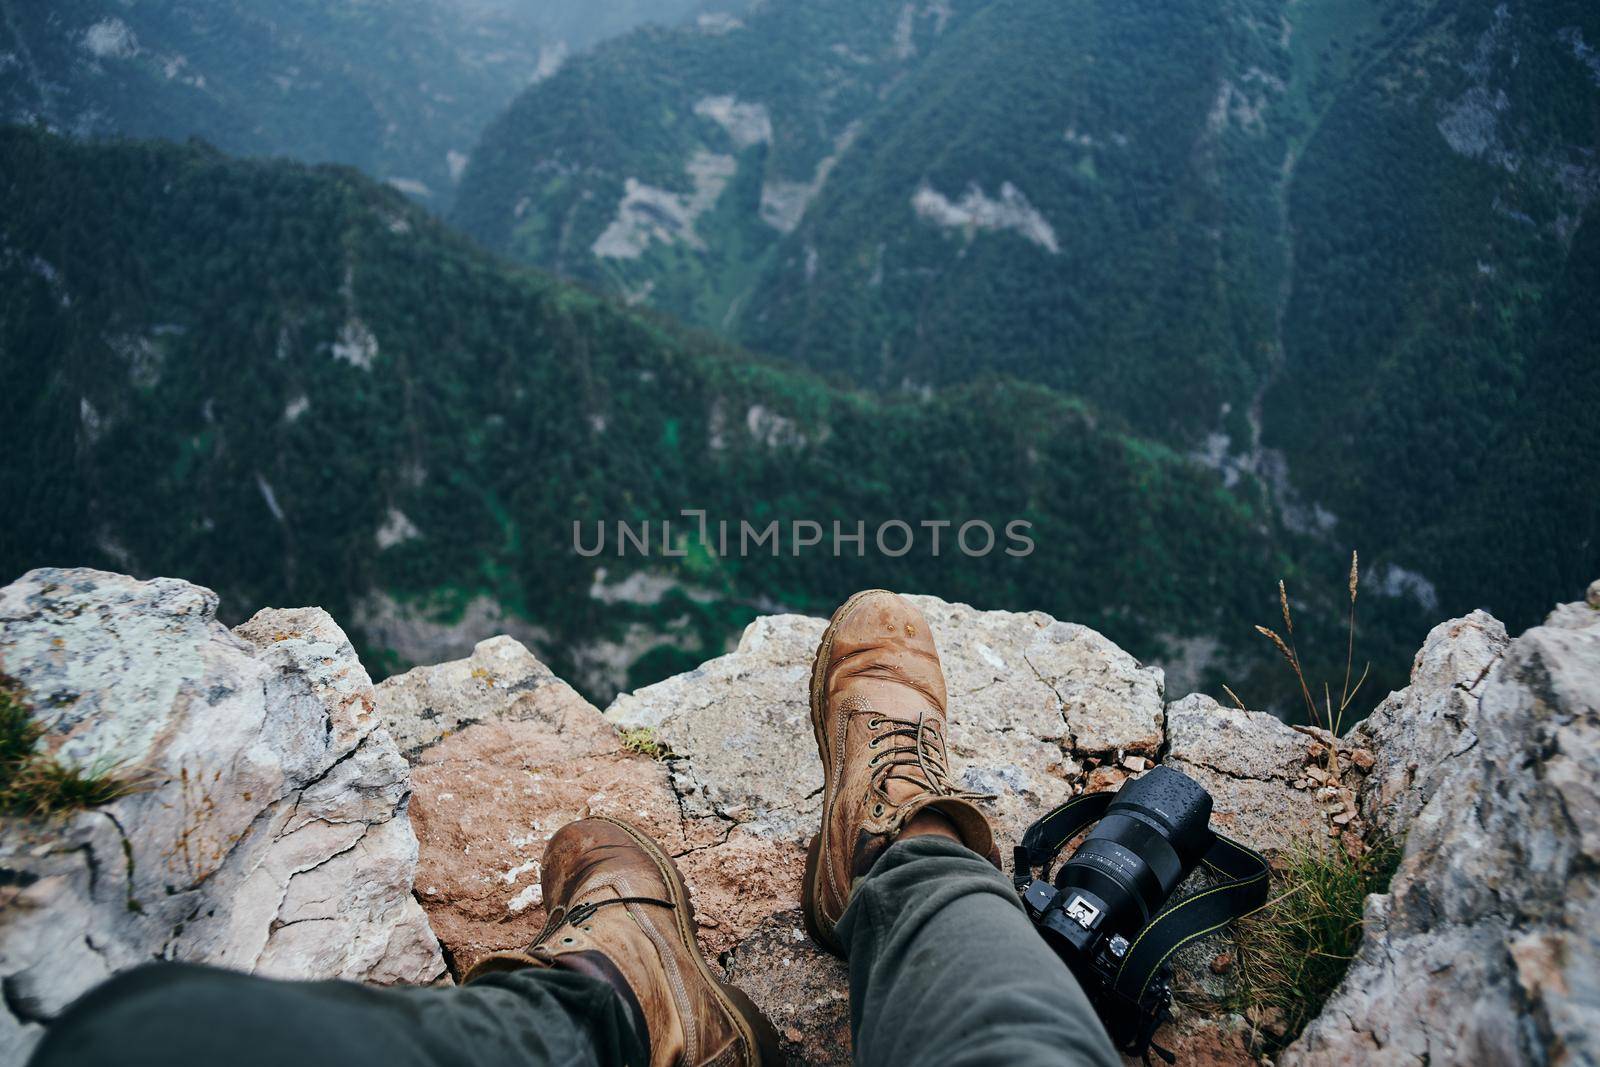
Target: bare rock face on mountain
[1249,762]
[1487,947]
[720,765]
[503,754]
[1039,706]
[1041,709]
[268,832]
[273,832]
[1419,735]
[500,681]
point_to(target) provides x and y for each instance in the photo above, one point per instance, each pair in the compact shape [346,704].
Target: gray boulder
[1487,947]
[1036,705]
[1419,734]
[1040,710]
[1270,782]
[269,832]
[500,681]
[525,754]
[274,831]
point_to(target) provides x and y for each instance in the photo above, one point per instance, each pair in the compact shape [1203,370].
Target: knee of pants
[155,1013]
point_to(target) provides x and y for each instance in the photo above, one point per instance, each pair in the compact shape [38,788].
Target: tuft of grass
[34,783]
[643,740]
[1294,951]
[19,734]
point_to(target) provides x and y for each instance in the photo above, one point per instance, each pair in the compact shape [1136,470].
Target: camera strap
[1239,887]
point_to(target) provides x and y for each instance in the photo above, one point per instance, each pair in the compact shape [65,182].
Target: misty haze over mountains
[399,88]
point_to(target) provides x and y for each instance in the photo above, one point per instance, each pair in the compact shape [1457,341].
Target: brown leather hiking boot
[878,708]
[619,911]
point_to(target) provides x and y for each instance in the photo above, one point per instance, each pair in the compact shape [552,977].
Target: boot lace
[916,756]
[578,914]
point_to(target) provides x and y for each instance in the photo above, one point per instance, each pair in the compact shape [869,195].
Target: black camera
[1108,912]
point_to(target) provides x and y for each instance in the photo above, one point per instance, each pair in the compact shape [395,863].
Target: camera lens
[1149,839]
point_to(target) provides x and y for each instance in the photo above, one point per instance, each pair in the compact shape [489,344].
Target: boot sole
[760,1037]
[820,929]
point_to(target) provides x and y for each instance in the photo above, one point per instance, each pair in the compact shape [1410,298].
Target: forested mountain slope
[292,385]
[669,164]
[1441,343]
[1329,245]
[921,193]
[400,88]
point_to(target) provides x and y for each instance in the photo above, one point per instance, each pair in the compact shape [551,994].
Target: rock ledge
[297,814]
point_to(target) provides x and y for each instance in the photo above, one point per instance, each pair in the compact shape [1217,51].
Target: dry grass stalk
[1292,658]
[1327,716]
[1350,647]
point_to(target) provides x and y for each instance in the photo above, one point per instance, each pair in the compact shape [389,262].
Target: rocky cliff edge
[297,820]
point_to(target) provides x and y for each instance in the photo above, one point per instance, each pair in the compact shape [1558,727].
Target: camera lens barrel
[1151,836]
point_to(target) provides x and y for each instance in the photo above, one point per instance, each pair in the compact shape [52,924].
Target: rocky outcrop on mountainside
[269,832]
[1042,709]
[1480,952]
[1486,949]
[520,754]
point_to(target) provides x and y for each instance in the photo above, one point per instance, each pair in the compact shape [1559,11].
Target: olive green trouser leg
[180,1015]
[946,970]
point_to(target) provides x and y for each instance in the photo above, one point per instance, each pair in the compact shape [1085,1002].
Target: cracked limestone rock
[1486,949]
[803,990]
[270,838]
[508,754]
[1419,734]
[1247,761]
[501,680]
[1030,699]
[269,833]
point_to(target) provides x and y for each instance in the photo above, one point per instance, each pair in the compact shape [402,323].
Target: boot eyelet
[877,810]
[567,941]
[873,743]
[872,723]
